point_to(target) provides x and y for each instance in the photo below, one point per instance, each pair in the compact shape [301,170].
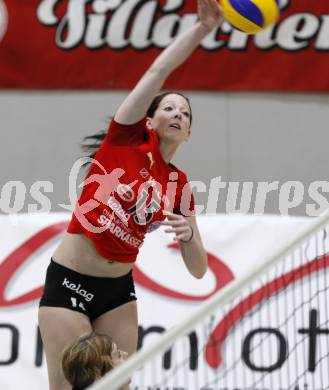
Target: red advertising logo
[223,275]
[18,257]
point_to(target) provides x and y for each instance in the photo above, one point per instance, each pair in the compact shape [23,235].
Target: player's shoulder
[127,134]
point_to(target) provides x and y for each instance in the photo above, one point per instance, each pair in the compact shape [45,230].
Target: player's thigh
[121,324]
[59,327]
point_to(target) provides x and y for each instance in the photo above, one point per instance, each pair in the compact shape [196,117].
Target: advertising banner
[106,44]
[166,292]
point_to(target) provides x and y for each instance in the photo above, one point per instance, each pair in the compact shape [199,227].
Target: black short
[90,295]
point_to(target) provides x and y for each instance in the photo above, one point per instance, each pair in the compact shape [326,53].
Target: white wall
[240,137]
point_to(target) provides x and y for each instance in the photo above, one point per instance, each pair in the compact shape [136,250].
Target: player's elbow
[158,70]
[198,275]
[199,271]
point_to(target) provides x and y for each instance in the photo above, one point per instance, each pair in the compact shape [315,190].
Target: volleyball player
[89,358]
[89,284]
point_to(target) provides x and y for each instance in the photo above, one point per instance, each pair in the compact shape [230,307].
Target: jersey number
[76,303]
[143,214]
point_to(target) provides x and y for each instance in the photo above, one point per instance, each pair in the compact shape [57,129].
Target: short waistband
[90,277]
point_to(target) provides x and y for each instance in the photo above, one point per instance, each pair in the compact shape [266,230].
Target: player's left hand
[178,225]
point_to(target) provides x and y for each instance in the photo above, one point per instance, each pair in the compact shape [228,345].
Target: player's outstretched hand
[178,225]
[209,13]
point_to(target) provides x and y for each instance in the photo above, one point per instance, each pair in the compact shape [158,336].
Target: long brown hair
[87,359]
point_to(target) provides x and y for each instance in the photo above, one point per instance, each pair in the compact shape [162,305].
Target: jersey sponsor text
[118,232]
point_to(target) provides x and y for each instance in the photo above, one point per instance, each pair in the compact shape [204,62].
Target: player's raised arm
[137,102]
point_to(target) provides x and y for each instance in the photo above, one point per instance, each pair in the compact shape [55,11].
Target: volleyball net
[268,330]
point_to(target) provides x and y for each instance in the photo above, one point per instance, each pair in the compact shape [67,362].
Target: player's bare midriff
[77,252]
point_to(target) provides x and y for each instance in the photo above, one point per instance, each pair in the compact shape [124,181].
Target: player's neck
[167,150]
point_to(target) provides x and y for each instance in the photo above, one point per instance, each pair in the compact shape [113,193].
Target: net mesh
[273,336]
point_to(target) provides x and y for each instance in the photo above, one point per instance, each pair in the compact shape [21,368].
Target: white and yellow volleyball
[250,16]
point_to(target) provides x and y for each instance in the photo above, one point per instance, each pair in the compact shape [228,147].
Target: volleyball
[250,16]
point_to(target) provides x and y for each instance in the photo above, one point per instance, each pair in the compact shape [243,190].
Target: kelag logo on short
[3,19]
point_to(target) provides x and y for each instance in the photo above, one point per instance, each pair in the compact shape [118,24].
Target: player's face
[172,119]
[118,356]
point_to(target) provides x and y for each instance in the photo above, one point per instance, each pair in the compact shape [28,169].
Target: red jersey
[126,190]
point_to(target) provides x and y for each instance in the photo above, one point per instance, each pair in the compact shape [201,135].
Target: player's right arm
[138,101]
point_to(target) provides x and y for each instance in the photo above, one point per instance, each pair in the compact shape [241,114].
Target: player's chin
[175,136]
